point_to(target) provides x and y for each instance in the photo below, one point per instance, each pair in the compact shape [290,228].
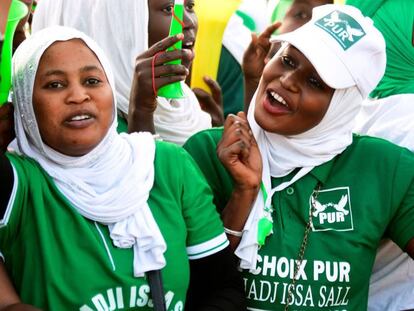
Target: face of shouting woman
[72,98]
[160,14]
[291,97]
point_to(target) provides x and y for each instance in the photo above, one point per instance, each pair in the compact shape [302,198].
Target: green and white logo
[342,27]
[332,210]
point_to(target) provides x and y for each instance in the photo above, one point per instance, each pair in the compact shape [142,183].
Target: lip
[80,124]
[274,107]
[188,39]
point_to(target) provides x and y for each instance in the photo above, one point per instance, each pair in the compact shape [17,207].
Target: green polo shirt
[367,193]
[59,260]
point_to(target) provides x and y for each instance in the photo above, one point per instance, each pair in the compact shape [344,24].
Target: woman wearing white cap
[304,202]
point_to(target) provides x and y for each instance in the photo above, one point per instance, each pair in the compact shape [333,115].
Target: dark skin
[260,50]
[142,99]
[9,300]
[238,150]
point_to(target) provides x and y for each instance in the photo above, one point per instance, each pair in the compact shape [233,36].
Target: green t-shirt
[367,193]
[60,260]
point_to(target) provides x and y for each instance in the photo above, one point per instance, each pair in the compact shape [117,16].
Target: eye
[316,83]
[190,5]
[302,15]
[54,85]
[92,81]
[168,9]
[287,61]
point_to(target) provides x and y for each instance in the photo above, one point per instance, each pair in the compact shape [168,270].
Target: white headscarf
[110,184]
[282,154]
[121,29]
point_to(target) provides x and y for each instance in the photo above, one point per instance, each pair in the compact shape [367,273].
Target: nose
[190,20]
[289,81]
[77,94]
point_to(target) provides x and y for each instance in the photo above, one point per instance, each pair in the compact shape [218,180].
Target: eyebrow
[59,72]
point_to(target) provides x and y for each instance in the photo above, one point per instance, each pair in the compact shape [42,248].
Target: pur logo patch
[332,210]
[342,27]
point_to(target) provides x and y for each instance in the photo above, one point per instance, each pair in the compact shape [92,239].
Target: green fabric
[395,20]
[248,21]
[230,78]
[280,10]
[59,260]
[376,182]
[122,125]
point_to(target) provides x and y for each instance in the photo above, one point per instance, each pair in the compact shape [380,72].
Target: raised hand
[212,104]
[239,153]
[151,73]
[254,60]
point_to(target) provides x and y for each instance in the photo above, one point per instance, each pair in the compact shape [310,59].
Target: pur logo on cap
[342,27]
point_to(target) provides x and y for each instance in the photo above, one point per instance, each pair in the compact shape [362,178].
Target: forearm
[9,300]
[237,211]
[250,87]
[215,284]
[140,121]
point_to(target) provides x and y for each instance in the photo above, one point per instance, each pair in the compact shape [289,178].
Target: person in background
[260,51]
[88,215]
[313,200]
[389,113]
[125,30]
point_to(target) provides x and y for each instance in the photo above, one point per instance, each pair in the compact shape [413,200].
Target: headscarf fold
[395,20]
[121,30]
[111,183]
[283,154]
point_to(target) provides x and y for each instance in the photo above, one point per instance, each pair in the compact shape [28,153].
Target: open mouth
[276,99]
[188,45]
[80,120]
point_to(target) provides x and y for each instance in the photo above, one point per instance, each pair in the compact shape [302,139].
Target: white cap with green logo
[344,47]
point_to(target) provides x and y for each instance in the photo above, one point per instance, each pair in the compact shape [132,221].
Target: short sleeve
[401,227]
[205,233]
[202,148]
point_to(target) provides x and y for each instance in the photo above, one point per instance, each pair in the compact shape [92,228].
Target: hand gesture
[239,153]
[212,104]
[254,61]
[152,72]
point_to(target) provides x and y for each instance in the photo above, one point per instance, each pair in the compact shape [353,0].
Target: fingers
[267,33]
[163,45]
[215,89]
[165,57]
[237,128]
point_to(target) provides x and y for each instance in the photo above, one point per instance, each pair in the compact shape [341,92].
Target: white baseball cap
[343,45]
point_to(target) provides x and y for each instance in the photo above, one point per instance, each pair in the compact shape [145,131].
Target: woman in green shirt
[87,214]
[304,202]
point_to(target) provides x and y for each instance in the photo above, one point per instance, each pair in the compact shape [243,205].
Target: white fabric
[177,119]
[237,37]
[121,30]
[338,51]
[282,154]
[110,184]
[392,279]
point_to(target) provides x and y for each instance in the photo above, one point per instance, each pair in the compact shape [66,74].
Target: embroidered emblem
[342,27]
[332,210]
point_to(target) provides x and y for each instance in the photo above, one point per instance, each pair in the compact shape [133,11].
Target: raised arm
[254,60]
[151,73]
[239,153]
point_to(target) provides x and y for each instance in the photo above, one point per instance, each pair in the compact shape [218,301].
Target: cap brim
[328,65]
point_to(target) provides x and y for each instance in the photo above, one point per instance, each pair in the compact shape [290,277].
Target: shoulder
[204,140]
[368,147]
